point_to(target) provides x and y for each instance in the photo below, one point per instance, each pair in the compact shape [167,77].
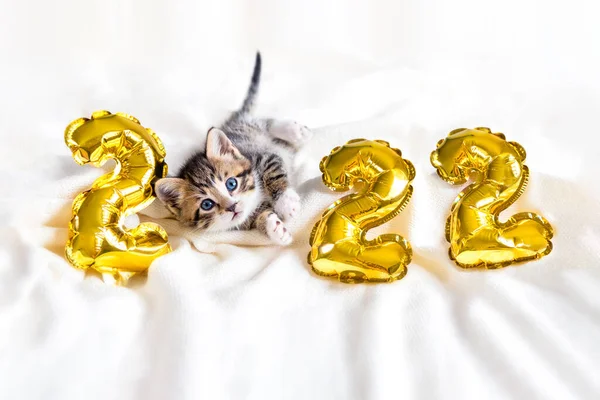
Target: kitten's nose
[231,208]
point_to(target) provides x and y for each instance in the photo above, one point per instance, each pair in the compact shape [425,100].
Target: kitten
[241,179]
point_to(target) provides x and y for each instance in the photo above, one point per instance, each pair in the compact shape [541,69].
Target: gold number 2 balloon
[97,237]
[477,238]
[339,247]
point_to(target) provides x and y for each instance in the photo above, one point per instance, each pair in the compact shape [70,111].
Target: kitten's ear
[219,147]
[170,191]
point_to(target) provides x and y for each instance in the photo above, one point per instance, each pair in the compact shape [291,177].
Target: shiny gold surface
[477,238]
[97,238]
[339,248]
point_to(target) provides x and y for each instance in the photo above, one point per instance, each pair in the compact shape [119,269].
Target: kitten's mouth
[235,214]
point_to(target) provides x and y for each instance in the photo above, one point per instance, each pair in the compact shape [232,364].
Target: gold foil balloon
[477,237]
[97,237]
[339,247]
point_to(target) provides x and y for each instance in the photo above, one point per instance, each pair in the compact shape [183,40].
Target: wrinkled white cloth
[231,317]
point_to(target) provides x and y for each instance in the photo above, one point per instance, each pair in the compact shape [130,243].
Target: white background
[230,321]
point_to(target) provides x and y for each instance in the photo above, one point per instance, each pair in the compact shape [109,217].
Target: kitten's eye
[231,184]
[207,204]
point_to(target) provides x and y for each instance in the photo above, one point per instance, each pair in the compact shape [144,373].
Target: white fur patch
[246,205]
[291,131]
[277,231]
[288,205]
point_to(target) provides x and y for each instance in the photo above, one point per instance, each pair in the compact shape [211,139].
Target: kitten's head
[215,191]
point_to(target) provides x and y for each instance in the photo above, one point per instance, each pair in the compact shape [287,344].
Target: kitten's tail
[253,88]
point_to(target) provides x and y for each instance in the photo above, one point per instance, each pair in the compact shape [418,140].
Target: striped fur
[258,153]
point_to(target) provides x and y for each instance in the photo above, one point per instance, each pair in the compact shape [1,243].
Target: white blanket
[229,317]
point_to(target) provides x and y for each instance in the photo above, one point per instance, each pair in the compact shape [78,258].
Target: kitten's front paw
[277,231]
[292,132]
[288,205]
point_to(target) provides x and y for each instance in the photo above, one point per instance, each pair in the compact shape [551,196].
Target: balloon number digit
[339,248]
[477,237]
[97,237]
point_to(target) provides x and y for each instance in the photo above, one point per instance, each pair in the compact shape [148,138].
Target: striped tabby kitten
[241,180]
